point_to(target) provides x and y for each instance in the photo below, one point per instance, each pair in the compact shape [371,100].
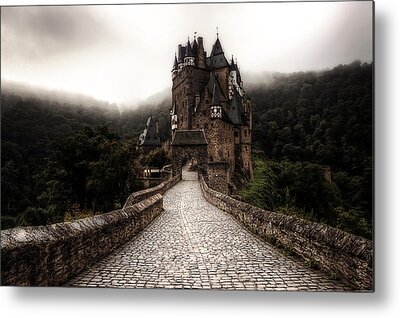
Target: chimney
[202,53]
[180,57]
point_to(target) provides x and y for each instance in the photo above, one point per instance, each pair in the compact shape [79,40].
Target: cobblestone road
[195,245]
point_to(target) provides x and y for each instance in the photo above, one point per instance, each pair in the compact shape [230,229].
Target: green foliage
[334,276]
[53,156]
[304,122]
[8,222]
[311,263]
[157,158]
[91,169]
[320,117]
[262,191]
[76,213]
[352,221]
[300,189]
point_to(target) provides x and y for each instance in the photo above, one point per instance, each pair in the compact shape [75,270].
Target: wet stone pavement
[194,245]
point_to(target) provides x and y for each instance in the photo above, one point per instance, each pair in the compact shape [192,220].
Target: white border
[69,302]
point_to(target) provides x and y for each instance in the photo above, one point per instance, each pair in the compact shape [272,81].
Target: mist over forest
[63,153]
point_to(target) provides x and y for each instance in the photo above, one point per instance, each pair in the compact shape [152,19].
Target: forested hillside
[305,123]
[60,158]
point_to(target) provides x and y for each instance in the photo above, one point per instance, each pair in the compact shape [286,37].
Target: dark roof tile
[189,138]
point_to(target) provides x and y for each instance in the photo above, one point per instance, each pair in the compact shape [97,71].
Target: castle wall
[188,82]
[220,136]
[336,252]
[245,149]
[218,175]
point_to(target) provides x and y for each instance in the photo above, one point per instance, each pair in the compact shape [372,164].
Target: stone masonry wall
[51,255]
[336,252]
[147,193]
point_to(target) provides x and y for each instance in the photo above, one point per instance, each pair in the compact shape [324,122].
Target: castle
[211,117]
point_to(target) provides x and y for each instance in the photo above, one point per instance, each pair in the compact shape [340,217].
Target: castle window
[205,125]
[236,134]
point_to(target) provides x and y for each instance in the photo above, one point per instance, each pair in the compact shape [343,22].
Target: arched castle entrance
[188,145]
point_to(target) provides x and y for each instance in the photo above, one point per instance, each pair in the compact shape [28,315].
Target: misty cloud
[42,31]
[124,53]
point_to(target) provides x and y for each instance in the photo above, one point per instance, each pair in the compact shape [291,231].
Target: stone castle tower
[208,95]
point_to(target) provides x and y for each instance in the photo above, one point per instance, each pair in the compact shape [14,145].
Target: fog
[124,53]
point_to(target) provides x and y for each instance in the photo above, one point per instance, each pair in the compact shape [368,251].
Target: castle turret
[216,105]
[217,57]
[175,68]
[180,57]
[195,49]
[189,57]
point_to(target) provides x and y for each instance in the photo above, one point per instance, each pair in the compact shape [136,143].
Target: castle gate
[188,145]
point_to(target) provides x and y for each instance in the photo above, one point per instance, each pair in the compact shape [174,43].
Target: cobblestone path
[193,244]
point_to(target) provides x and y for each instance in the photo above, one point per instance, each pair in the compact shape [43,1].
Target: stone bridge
[193,244]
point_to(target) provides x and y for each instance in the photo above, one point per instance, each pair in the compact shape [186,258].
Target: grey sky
[125,53]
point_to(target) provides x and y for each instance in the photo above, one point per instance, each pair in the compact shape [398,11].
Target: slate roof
[188,52]
[195,48]
[217,57]
[189,138]
[181,53]
[217,48]
[211,84]
[235,111]
[216,92]
[150,135]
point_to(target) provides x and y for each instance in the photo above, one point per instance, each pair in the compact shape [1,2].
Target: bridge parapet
[336,252]
[51,255]
[144,194]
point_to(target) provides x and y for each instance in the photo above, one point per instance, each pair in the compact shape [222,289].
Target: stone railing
[144,194]
[336,252]
[51,255]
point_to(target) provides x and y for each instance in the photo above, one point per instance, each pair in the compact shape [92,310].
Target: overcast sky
[124,53]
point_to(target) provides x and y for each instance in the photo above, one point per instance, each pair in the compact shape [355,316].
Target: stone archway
[188,144]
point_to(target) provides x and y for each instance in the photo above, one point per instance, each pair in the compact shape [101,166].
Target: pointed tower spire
[216,106]
[189,59]
[217,48]
[195,47]
[216,99]
[175,63]
[188,49]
